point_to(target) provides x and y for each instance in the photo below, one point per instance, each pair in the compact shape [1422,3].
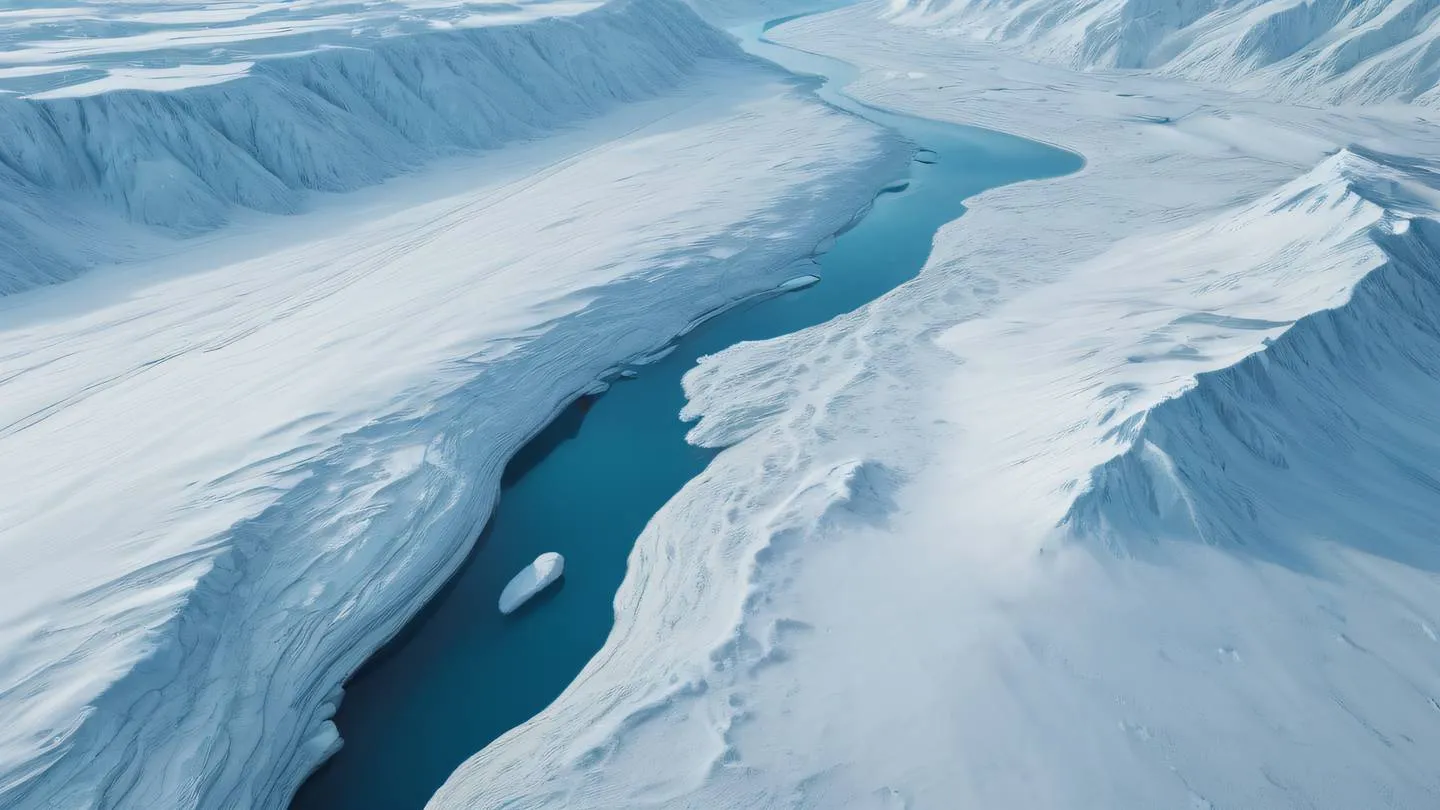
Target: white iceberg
[531,580]
[800,283]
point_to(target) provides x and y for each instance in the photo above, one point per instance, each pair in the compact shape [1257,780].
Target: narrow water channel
[461,674]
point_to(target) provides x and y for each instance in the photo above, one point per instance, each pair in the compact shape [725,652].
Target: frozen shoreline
[230,437]
[920,458]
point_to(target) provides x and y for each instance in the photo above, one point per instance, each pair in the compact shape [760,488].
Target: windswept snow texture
[1128,501]
[1337,402]
[1335,51]
[264,105]
[230,473]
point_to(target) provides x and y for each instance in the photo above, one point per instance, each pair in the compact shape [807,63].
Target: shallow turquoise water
[462,674]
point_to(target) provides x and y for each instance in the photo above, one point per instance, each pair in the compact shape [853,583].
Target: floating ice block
[531,580]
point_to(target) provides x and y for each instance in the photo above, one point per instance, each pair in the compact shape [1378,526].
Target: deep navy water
[461,674]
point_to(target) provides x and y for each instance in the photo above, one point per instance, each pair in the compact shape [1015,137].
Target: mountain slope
[1333,51]
[346,110]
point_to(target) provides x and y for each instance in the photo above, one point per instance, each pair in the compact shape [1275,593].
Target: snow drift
[332,118]
[1328,50]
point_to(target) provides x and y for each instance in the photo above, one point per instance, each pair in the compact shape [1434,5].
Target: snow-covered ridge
[979,659]
[1007,657]
[1334,50]
[1334,410]
[1270,337]
[349,110]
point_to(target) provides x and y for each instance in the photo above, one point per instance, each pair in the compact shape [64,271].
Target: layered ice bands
[232,471]
[259,116]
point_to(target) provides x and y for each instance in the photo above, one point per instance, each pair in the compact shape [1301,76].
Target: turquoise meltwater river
[461,674]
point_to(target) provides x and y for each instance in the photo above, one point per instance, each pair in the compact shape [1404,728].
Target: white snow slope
[231,471]
[1128,501]
[287,100]
[1330,51]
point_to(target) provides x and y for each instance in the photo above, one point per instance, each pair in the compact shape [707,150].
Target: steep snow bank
[1326,433]
[1229,420]
[1331,50]
[228,475]
[354,108]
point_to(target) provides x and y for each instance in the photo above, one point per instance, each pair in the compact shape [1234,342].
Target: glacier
[270,337]
[1126,501]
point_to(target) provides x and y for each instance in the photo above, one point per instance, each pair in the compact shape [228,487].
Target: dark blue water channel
[461,674]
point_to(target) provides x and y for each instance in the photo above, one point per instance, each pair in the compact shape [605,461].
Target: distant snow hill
[1332,51]
[232,467]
